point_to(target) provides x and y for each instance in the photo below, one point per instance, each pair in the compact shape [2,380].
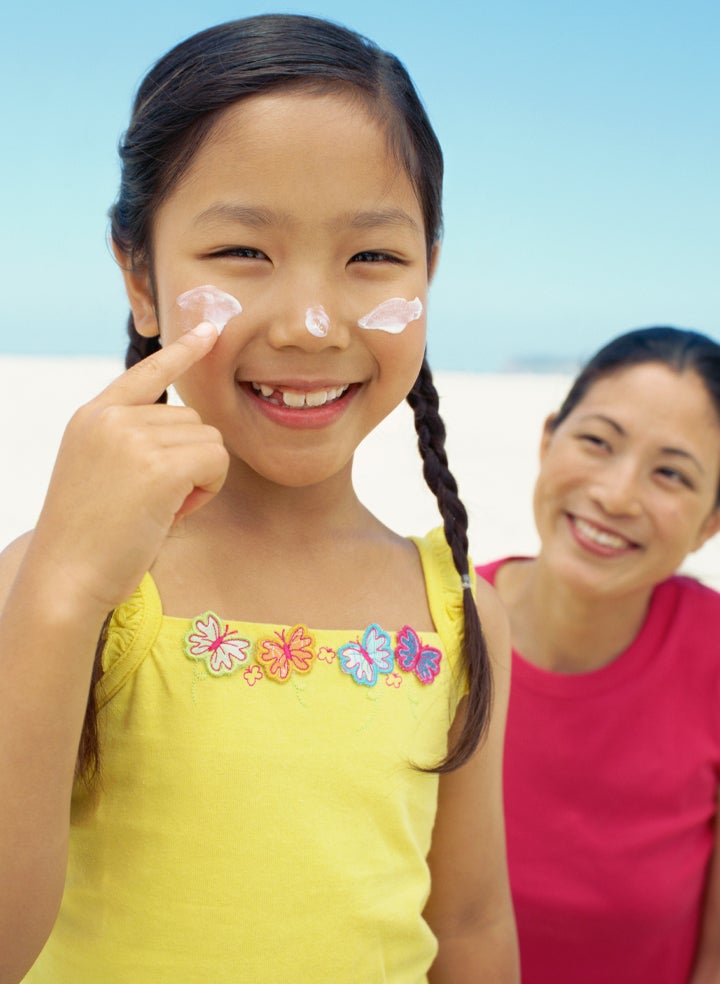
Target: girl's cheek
[206,303]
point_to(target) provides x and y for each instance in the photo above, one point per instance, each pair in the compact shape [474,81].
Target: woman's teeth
[602,537]
[297,399]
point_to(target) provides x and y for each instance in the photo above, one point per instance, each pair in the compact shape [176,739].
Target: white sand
[493,424]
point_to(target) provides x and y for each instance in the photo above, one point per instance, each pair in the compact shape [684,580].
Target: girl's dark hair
[176,106]
[677,348]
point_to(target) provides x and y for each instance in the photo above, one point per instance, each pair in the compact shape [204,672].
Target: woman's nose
[617,491]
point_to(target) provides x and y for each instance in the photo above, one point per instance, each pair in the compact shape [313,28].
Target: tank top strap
[444,590]
[133,629]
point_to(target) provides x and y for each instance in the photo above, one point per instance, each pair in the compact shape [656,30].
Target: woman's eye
[594,441]
[674,476]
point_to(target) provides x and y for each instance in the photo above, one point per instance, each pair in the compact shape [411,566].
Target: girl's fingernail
[206,328]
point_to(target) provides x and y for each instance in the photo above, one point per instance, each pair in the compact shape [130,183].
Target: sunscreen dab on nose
[317,321]
[207,303]
[392,316]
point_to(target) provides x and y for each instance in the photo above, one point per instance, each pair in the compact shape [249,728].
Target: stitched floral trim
[222,649]
[289,652]
[282,656]
[363,661]
[414,657]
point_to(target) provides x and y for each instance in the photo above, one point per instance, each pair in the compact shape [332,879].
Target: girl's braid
[88,760]
[139,348]
[425,402]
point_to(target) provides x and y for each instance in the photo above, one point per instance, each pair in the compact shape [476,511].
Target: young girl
[281,746]
[612,754]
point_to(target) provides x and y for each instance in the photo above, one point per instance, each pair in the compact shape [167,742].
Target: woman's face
[628,481]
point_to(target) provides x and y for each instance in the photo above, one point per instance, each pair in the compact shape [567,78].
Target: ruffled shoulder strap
[444,590]
[133,628]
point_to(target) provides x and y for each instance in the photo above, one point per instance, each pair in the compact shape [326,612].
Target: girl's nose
[309,325]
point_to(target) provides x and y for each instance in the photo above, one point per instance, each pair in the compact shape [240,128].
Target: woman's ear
[547,433]
[140,295]
[708,529]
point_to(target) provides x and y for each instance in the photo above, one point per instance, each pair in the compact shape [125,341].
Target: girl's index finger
[147,380]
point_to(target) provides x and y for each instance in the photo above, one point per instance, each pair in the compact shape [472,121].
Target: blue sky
[582,152]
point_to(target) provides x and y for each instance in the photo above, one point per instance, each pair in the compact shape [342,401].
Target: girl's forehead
[301,148]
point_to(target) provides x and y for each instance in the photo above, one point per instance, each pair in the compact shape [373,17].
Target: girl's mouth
[282,396]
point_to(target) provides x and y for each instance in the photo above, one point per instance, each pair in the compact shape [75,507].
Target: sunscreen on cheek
[207,303]
[392,316]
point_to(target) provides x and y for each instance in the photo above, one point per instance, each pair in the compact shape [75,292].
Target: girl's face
[628,481]
[294,206]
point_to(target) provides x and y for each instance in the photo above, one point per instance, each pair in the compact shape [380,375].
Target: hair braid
[425,402]
[139,348]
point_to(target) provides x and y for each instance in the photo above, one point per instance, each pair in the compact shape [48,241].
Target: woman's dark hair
[177,105]
[677,348]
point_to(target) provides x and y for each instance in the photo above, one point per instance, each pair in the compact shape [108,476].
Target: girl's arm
[126,468]
[707,958]
[470,907]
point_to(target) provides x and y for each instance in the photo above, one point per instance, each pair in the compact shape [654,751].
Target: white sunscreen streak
[317,321]
[392,316]
[209,303]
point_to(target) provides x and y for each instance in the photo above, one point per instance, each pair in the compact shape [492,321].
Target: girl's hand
[127,468]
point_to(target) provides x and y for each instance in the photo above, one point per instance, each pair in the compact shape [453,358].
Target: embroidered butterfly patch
[222,649]
[414,657]
[363,661]
[283,655]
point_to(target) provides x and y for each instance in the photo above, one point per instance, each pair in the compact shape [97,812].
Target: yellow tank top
[258,817]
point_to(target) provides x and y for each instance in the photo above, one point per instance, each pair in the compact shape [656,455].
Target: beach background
[493,420]
[581,199]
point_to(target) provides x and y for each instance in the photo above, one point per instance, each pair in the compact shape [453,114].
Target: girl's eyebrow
[257,216]
[679,452]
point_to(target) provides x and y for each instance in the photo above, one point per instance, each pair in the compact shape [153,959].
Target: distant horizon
[581,148]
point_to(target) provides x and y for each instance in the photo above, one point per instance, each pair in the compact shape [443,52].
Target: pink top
[611,780]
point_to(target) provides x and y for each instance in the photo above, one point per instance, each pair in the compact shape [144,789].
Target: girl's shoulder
[11,559]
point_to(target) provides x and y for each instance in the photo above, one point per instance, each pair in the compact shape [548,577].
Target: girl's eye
[242,252]
[374,256]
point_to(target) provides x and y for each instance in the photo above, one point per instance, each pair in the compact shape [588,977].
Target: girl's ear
[547,433]
[432,265]
[140,295]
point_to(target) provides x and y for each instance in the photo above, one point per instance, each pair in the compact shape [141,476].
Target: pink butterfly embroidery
[414,657]
[222,649]
[363,661]
[283,656]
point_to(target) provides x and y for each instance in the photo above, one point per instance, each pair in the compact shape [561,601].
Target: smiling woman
[612,753]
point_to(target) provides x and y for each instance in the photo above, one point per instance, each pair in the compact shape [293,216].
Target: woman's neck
[559,630]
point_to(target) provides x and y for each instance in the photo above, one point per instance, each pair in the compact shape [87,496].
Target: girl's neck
[561,631]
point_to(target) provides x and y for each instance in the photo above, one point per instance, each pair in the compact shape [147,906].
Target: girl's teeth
[296,400]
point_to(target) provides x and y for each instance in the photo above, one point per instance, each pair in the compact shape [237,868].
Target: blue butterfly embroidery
[364,661]
[414,657]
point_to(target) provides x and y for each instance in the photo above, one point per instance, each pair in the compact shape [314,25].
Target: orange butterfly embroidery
[284,655]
